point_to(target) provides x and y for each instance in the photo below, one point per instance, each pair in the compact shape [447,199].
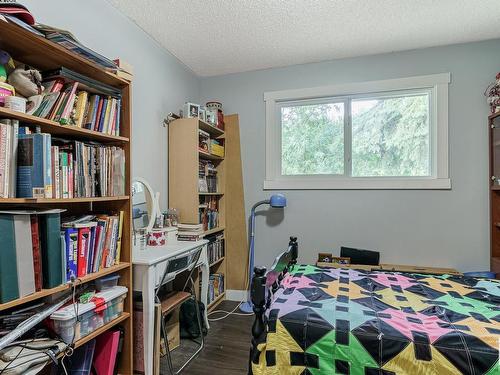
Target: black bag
[188,322]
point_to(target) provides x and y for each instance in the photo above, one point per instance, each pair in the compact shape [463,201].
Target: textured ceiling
[215,37]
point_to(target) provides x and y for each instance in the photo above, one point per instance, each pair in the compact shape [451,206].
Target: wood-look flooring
[226,348]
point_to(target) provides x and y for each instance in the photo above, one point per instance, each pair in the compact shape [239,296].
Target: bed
[314,320]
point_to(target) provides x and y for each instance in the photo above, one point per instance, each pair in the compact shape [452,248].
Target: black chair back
[359,256]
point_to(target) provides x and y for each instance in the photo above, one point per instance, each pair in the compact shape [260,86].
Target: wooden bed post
[294,250]
[258,296]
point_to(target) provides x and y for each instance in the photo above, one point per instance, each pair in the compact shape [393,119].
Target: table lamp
[276,201]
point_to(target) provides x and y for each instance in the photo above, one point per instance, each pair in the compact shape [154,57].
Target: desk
[149,266]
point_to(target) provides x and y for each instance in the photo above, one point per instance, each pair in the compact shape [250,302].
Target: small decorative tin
[158,237]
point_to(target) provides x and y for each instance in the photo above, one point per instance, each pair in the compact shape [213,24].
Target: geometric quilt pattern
[345,321]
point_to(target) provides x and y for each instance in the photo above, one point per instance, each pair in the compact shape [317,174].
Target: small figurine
[5,62]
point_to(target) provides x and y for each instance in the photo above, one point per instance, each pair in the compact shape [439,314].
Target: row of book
[91,243]
[215,286]
[189,232]
[208,212]
[215,247]
[207,177]
[37,252]
[70,106]
[35,165]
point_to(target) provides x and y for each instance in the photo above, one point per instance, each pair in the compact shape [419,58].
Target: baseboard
[236,295]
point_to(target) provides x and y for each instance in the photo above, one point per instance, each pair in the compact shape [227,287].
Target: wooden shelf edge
[62,200]
[58,129]
[212,130]
[212,305]
[208,156]
[98,331]
[200,193]
[214,230]
[47,292]
[216,262]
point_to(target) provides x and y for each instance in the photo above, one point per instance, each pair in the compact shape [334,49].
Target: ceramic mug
[157,237]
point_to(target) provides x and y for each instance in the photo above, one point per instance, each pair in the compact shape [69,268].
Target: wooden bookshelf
[40,53]
[184,157]
[212,305]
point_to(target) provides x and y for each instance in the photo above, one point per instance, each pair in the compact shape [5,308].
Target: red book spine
[83,244]
[98,116]
[37,259]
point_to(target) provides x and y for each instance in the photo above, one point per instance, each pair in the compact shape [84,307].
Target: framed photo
[341,260]
[211,117]
[325,257]
[202,114]
[191,110]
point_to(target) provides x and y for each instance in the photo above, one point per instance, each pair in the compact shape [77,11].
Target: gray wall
[161,83]
[440,228]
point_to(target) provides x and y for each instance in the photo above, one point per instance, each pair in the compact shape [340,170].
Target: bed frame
[264,285]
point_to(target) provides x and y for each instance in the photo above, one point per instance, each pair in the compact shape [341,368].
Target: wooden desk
[395,268]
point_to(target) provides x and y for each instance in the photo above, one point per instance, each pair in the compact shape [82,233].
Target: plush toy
[26,81]
[5,62]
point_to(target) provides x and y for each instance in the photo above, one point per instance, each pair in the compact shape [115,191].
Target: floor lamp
[276,201]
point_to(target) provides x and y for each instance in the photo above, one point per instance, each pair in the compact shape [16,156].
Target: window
[389,134]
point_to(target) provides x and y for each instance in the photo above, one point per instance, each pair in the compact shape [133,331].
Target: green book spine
[50,238]
[9,289]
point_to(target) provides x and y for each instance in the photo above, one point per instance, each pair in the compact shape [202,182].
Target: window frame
[435,85]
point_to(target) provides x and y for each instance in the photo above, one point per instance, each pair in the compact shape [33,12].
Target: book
[37,256]
[83,250]
[34,166]
[80,108]
[106,352]
[50,240]
[24,255]
[8,268]
[71,251]
[119,239]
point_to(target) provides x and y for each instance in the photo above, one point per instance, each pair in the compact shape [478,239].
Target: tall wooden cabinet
[45,55]
[494,129]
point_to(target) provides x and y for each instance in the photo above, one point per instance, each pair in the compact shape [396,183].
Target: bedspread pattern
[341,321]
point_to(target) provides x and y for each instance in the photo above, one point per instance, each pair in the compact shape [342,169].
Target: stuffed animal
[5,62]
[26,81]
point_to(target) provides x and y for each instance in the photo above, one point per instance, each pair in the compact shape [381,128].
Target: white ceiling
[215,37]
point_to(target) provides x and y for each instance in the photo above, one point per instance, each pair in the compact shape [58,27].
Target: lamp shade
[277,201]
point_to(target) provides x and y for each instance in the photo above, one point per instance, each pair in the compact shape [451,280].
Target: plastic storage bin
[106,306]
[106,282]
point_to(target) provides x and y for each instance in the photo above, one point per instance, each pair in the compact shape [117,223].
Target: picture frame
[211,117]
[341,260]
[325,257]
[202,114]
[191,110]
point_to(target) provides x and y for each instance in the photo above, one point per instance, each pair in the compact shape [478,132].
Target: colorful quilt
[342,321]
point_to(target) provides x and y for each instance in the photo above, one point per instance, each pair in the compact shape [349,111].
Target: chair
[358,256]
[176,298]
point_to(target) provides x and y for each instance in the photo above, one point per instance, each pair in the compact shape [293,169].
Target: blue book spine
[71,236]
[47,165]
[118,114]
[94,113]
[103,113]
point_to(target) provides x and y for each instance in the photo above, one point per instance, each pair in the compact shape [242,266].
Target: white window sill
[360,183]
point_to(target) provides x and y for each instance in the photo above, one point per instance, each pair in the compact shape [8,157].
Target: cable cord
[232,312]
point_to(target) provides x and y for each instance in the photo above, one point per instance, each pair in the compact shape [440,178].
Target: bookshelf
[184,158]
[43,54]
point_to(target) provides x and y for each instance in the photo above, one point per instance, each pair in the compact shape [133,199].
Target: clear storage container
[106,282]
[105,307]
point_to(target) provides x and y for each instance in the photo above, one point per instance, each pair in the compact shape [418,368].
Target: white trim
[360,87]
[358,183]
[237,295]
[437,87]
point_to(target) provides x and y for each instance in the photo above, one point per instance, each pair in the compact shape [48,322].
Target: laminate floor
[226,348]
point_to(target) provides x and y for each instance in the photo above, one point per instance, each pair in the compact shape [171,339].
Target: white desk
[149,266]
